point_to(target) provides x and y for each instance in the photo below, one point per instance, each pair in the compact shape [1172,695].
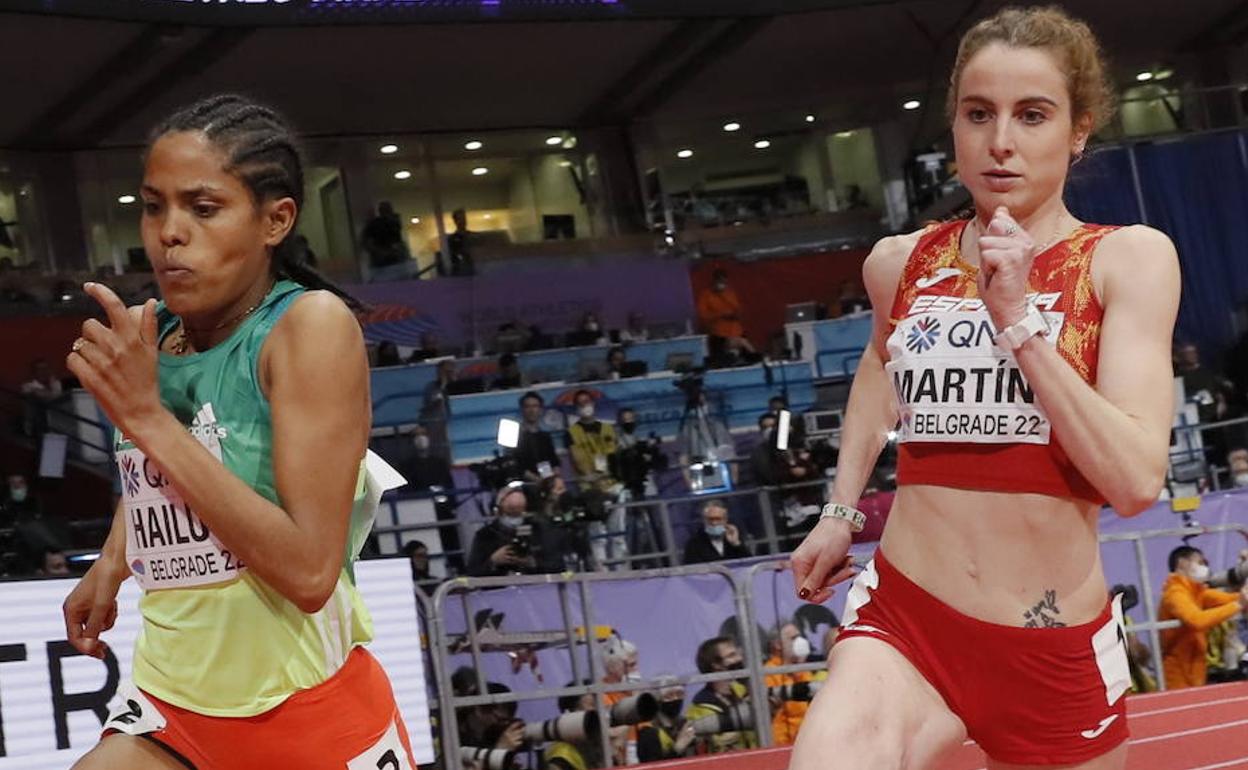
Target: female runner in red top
[1026,367]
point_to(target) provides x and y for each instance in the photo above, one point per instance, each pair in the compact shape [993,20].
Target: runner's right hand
[91,608]
[822,560]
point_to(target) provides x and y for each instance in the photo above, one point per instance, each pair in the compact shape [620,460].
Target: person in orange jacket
[788,647]
[1185,597]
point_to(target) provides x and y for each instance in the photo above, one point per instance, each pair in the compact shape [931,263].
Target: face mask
[632,676]
[1199,573]
[592,326]
[671,708]
[18,495]
[1241,479]
[511,522]
[801,648]
[716,530]
[420,442]
[586,411]
[628,427]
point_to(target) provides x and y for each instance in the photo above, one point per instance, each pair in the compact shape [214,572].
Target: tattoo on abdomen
[1044,613]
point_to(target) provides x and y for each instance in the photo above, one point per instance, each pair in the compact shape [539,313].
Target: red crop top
[969,419]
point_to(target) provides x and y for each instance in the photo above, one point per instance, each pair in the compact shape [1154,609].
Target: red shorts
[348,722]
[1032,696]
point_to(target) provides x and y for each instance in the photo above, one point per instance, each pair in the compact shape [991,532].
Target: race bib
[952,383]
[167,546]
[388,753]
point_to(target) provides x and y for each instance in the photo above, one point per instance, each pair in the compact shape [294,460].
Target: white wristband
[856,518]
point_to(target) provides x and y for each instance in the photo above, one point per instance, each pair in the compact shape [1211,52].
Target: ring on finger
[78,345]
[1011,230]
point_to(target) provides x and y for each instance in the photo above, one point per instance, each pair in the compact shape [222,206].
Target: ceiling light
[487,216]
[126,199]
[473,145]
[734,126]
[389,149]
[415,220]
[1144,76]
[810,118]
[684,154]
[554,140]
[844,134]
[913,104]
[480,171]
[762,144]
[400,175]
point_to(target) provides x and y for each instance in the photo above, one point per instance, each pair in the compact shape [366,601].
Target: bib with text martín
[953,383]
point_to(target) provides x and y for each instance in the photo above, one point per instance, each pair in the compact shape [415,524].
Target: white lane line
[1193,731]
[1188,707]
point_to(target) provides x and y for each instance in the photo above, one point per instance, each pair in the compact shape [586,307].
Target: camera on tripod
[496,473]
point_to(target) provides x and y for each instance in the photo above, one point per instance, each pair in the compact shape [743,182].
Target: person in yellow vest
[1185,597]
[730,698]
[591,443]
[788,647]
[580,755]
[670,735]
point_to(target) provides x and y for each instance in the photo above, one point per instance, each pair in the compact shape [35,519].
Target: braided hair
[262,152]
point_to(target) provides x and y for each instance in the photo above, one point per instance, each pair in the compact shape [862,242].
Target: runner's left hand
[117,363]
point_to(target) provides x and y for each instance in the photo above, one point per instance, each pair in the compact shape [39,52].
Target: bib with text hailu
[952,383]
[167,546]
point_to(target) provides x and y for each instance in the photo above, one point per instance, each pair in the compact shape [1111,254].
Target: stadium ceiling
[74,80]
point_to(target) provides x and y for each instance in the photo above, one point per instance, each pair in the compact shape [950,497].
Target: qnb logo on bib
[953,383]
[167,545]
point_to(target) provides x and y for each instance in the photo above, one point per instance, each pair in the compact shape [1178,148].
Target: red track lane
[1198,729]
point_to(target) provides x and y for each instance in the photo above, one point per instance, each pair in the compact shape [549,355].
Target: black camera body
[497,473]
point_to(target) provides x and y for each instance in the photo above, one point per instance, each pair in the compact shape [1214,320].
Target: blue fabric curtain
[1195,189]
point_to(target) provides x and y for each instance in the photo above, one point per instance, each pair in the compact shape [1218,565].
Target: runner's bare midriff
[996,556]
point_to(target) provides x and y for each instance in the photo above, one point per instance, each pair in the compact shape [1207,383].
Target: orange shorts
[348,722]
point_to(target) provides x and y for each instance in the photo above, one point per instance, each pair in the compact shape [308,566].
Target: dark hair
[625,410]
[262,152]
[532,394]
[708,653]
[507,359]
[413,546]
[779,398]
[765,416]
[1182,552]
[571,702]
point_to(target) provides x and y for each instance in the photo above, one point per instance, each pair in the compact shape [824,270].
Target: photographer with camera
[514,542]
[634,464]
[591,443]
[775,467]
[669,735]
[789,694]
[727,701]
[582,751]
[535,448]
[488,726]
[566,517]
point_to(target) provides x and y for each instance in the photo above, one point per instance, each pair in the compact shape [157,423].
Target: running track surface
[1199,729]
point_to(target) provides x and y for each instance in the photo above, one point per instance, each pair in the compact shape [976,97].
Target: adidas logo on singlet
[205,423]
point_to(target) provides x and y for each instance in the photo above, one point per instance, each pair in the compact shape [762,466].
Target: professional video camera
[692,384]
[633,465]
[498,472]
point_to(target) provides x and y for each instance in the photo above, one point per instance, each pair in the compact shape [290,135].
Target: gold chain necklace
[179,344]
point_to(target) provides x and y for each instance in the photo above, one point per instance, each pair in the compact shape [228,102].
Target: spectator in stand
[616,359]
[388,354]
[490,726]
[513,542]
[535,449]
[418,555]
[511,338]
[636,330]
[42,390]
[1186,597]
[1237,463]
[719,312]
[435,410]
[588,332]
[54,564]
[426,468]
[1213,395]
[717,540]
[459,244]
[388,256]
[591,442]
[509,374]
[852,299]
[429,348]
